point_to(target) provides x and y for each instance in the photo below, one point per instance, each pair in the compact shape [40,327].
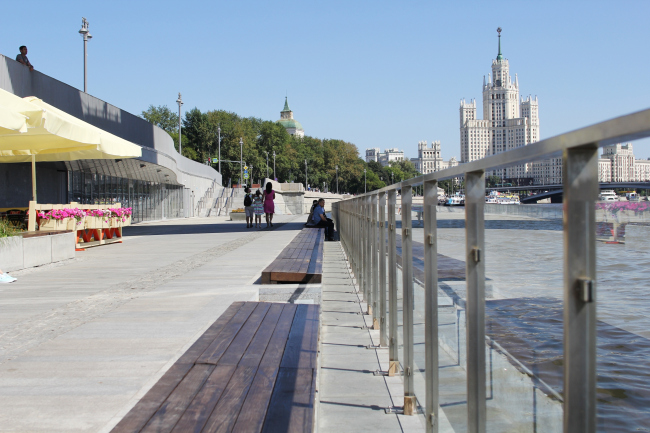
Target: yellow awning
[29,126]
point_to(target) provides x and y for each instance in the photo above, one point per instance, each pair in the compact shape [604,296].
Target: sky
[374,73]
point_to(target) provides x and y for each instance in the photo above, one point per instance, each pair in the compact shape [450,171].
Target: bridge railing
[367,221]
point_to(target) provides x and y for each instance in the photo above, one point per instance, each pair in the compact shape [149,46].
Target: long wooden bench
[300,262]
[253,370]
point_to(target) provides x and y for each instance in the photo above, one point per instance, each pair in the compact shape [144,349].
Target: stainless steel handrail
[361,218]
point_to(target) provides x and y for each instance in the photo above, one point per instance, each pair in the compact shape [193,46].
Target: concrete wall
[18,253]
[158,146]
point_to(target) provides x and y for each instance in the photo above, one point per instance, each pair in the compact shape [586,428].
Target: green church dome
[290,123]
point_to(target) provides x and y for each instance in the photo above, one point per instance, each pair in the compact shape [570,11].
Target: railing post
[431,304]
[367,297]
[475,309]
[383,337]
[393,337]
[407,300]
[580,172]
[374,251]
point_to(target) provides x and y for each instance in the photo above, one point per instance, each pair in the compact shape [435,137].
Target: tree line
[200,140]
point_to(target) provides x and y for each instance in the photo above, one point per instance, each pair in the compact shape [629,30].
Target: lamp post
[179,101]
[241,161]
[219,132]
[274,177]
[365,183]
[337,178]
[305,175]
[267,165]
[86,35]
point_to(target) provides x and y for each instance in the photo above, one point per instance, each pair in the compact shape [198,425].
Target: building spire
[499,56]
[286,104]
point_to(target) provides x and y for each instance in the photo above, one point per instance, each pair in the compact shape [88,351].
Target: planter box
[237,216]
[18,252]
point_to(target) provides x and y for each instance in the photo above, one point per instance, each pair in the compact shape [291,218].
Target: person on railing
[22,57]
[321,220]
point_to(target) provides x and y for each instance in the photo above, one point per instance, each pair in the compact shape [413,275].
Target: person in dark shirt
[320,220]
[22,57]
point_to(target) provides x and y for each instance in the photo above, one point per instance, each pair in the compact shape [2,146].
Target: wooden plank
[257,347]
[302,346]
[254,410]
[275,349]
[138,417]
[292,404]
[240,343]
[198,412]
[212,354]
[225,414]
[204,341]
[173,408]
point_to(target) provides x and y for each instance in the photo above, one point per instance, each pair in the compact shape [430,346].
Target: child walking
[258,208]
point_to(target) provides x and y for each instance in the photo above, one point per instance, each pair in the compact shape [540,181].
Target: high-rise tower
[507,123]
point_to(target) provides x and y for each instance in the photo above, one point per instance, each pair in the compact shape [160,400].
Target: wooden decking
[300,262]
[253,370]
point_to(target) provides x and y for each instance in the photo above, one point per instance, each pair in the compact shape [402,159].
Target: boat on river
[607,195]
[457,199]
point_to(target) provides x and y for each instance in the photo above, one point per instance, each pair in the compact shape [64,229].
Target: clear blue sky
[375,73]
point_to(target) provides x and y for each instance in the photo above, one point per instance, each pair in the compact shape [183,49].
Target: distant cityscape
[510,121]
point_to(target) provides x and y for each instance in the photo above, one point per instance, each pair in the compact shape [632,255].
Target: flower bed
[80,219]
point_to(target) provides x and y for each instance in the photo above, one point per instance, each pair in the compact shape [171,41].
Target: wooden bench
[253,370]
[300,262]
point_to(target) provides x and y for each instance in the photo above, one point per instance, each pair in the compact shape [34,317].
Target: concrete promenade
[83,340]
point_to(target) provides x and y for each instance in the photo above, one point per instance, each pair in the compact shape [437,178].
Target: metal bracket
[476,254]
[408,371]
[432,419]
[586,289]
[381,224]
[430,238]
[391,227]
[394,409]
[406,232]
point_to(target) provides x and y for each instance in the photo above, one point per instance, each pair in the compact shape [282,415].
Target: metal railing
[365,221]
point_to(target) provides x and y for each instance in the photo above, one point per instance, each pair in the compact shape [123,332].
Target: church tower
[292,126]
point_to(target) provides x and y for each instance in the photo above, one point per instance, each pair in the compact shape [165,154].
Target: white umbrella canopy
[32,130]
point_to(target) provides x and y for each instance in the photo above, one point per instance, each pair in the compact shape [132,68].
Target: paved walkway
[82,341]
[352,399]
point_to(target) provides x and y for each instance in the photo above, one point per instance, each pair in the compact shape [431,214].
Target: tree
[162,117]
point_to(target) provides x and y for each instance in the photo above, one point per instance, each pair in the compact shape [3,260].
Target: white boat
[608,195]
[456,200]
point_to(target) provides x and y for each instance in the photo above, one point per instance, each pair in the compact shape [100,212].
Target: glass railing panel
[623,312]
[524,316]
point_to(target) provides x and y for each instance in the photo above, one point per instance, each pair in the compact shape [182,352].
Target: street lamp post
[241,161]
[365,183]
[274,176]
[86,35]
[179,101]
[337,179]
[392,177]
[267,165]
[305,175]
[219,132]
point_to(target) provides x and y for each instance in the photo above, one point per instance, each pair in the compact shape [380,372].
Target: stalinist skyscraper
[508,121]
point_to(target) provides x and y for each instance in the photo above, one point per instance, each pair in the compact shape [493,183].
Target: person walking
[258,208]
[248,208]
[269,206]
[321,220]
[6,278]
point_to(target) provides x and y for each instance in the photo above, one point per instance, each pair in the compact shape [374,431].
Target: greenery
[7,229]
[200,141]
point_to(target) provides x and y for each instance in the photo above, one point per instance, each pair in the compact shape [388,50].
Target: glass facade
[149,200]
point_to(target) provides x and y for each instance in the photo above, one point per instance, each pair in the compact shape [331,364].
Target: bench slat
[225,414]
[256,349]
[240,343]
[292,404]
[198,412]
[171,411]
[212,354]
[302,347]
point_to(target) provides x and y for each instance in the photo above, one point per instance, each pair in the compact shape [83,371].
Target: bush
[7,229]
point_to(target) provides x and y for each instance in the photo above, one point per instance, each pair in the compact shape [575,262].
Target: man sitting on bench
[321,220]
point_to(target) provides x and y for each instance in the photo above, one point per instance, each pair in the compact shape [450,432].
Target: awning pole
[34,177]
